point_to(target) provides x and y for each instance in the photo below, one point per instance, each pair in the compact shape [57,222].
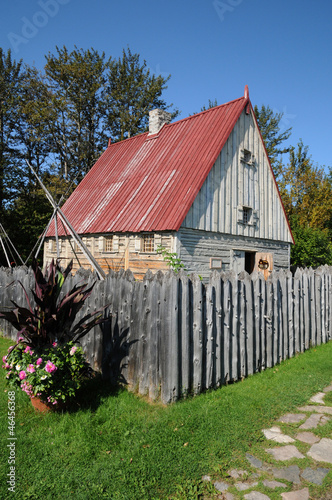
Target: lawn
[115,445]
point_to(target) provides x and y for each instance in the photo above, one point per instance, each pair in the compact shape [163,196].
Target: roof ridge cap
[206,111]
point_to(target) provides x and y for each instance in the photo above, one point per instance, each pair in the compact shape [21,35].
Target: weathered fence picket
[171,334]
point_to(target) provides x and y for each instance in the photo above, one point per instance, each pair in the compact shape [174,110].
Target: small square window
[148,243]
[108,243]
[247,157]
[246,215]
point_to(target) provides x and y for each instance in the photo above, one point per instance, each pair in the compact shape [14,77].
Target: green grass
[115,445]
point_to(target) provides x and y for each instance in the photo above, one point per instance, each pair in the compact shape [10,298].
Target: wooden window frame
[109,243]
[148,243]
[247,157]
[247,216]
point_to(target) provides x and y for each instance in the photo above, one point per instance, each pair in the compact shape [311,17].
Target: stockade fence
[170,334]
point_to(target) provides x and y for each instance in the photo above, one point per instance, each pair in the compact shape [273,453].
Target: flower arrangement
[54,374]
[46,362]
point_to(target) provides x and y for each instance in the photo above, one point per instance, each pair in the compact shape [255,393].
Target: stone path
[299,480]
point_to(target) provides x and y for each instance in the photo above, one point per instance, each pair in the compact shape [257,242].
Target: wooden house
[201,187]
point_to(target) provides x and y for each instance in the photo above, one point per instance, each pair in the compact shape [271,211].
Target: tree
[211,104]
[306,190]
[11,74]
[312,247]
[75,87]
[132,91]
[269,124]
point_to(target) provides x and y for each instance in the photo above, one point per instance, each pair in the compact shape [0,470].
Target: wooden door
[264,263]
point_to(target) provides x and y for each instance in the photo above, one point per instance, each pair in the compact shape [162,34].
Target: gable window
[109,243]
[148,243]
[247,157]
[246,215]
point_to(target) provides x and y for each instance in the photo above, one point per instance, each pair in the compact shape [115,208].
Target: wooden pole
[72,231]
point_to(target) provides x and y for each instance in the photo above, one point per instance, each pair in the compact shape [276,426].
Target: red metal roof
[149,182]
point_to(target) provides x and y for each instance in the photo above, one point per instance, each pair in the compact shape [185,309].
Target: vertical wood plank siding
[171,334]
[232,183]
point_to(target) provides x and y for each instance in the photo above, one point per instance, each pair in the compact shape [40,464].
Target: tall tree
[306,190]
[269,124]
[11,74]
[132,91]
[75,86]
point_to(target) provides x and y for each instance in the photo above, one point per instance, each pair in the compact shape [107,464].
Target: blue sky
[212,49]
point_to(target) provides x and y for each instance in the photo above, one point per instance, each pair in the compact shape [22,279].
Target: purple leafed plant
[52,319]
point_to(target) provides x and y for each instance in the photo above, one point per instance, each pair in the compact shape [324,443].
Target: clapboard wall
[170,335]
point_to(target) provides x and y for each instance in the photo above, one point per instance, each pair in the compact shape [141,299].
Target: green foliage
[132,91]
[313,247]
[75,87]
[52,373]
[52,318]
[269,124]
[11,78]
[171,259]
[211,104]
[112,444]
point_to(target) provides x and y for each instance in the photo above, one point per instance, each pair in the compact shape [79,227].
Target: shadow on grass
[92,393]
[111,382]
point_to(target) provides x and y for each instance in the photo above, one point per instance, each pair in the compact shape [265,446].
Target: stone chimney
[158,118]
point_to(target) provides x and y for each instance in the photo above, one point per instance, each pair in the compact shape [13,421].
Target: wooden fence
[170,335]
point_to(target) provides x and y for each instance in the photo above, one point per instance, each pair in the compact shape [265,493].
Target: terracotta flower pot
[39,405]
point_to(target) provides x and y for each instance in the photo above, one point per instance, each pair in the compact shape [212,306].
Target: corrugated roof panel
[149,183]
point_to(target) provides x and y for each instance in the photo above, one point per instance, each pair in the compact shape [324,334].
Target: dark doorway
[249,262]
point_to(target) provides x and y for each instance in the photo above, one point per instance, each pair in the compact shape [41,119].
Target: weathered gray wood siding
[197,247]
[233,183]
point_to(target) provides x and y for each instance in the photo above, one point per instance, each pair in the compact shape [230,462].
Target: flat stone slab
[318,398]
[285,452]
[313,421]
[328,389]
[292,418]
[317,409]
[322,451]
[275,434]
[244,486]
[307,437]
[296,495]
[315,476]
[236,474]
[255,462]
[256,495]
[291,473]
[220,486]
[274,484]
[228,496]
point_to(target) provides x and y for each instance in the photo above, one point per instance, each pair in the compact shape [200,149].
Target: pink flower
[4,359]
[39,361]
[50,367]
[7,365]
[20,339]
[31,369]
[10,348]
[54,344]
[27,349]
[26,387]
[22,375]
[73,350]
